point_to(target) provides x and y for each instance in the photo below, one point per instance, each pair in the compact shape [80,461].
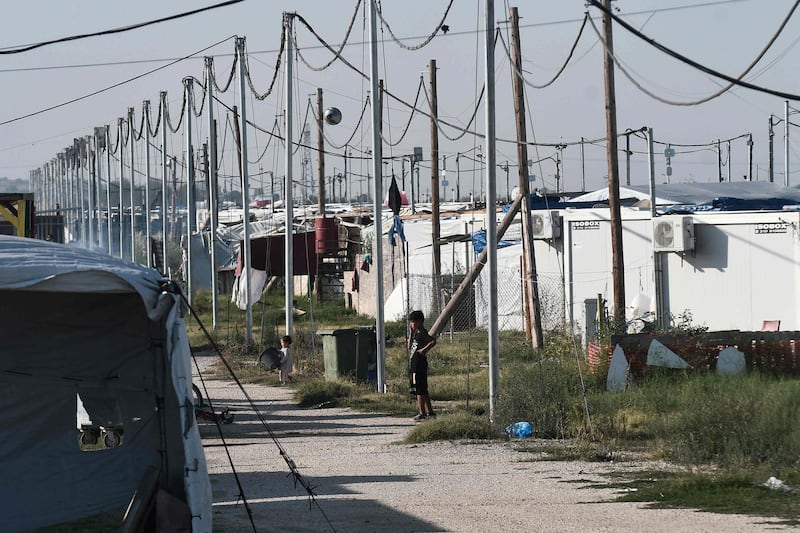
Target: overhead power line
[652,42]
[27,48]
[114,86]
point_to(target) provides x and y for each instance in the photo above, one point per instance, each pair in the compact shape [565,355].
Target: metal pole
[377,150]
[657,274]
[81,191]
[289,198]
[246,184]
[188,84]
[321,157]
[628,159]
[719,160]
[786,144]
[131,140]
[749,157]
[771,151]
[729,161]
[583,168]
[212,190]
[90,189]
[164,181]
[121,202]
[146,133]
[109,222]
[458,179]
[491,217]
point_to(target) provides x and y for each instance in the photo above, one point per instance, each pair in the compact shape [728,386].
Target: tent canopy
[83,328]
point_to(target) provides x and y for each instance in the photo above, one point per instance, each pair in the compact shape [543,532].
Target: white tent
[81,325]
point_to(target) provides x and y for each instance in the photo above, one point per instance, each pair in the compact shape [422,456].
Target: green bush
[452,427]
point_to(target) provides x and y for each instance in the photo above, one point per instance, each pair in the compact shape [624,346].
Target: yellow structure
[18,210]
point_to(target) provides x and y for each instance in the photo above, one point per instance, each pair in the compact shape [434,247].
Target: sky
[724,35]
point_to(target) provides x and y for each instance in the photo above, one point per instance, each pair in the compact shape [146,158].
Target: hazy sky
[723,35]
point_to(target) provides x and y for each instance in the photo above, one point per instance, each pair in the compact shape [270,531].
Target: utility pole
[109,222]
[628,158]
[213,191]
[533,315]
[437,258]
[491,211]
[749,157]
[164,187]
[729,161]
[321,157]
[583,168]
[786,144]
[244,173]
[618,261]
[377,200]
[131,140]
[146,132]
[321,246]
[719,160]
[188,84]
[121,205]
[289,185]
[771,151]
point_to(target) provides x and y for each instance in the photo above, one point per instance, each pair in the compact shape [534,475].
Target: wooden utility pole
[320,157]
[618,261]
[321,246]
[533,311]
[437,258]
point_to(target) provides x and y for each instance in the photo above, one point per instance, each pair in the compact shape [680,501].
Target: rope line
[230,74]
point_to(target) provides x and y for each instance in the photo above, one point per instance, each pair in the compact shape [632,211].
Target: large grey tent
[77,325]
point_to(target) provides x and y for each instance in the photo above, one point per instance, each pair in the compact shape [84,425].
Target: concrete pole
[491,212]
[377,201]
[436,232]
[146,133]
[289,186]
[213,192]
[132,147]
[786,143]
[164,181]
[109,222]
[657,268]
[240,41]
[121,202]
[583,168]
[188,84]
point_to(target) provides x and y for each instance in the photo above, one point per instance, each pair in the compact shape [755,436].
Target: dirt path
[367,482]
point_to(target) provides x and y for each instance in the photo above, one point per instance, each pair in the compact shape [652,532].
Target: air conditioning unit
[546,225]
[673,234]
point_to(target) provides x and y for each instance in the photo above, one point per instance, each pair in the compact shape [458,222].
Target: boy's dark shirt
[419,361]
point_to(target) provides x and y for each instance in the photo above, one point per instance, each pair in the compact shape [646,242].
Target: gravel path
[365,481]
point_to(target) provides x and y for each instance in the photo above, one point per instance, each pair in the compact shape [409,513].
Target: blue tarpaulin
[479,242]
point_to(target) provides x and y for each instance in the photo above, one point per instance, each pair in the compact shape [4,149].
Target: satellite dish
[333,116]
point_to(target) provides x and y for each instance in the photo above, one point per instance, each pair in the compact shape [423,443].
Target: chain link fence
[473,311]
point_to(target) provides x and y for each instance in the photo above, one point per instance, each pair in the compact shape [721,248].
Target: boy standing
[286,359]
[419,344]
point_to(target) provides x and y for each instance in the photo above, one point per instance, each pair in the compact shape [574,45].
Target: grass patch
[322,393]
[726,493]
[455,426]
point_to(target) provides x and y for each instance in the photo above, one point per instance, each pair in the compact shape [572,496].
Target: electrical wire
[26,48]
[702,68]
[230,74]
[410,117]
[560,71]
[174,129]
[427,40]
[114,86]
[355,130]
[341,46]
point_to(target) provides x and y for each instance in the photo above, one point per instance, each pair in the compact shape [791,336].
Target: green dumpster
[349,353]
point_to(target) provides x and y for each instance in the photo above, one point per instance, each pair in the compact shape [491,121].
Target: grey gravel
[366,481]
